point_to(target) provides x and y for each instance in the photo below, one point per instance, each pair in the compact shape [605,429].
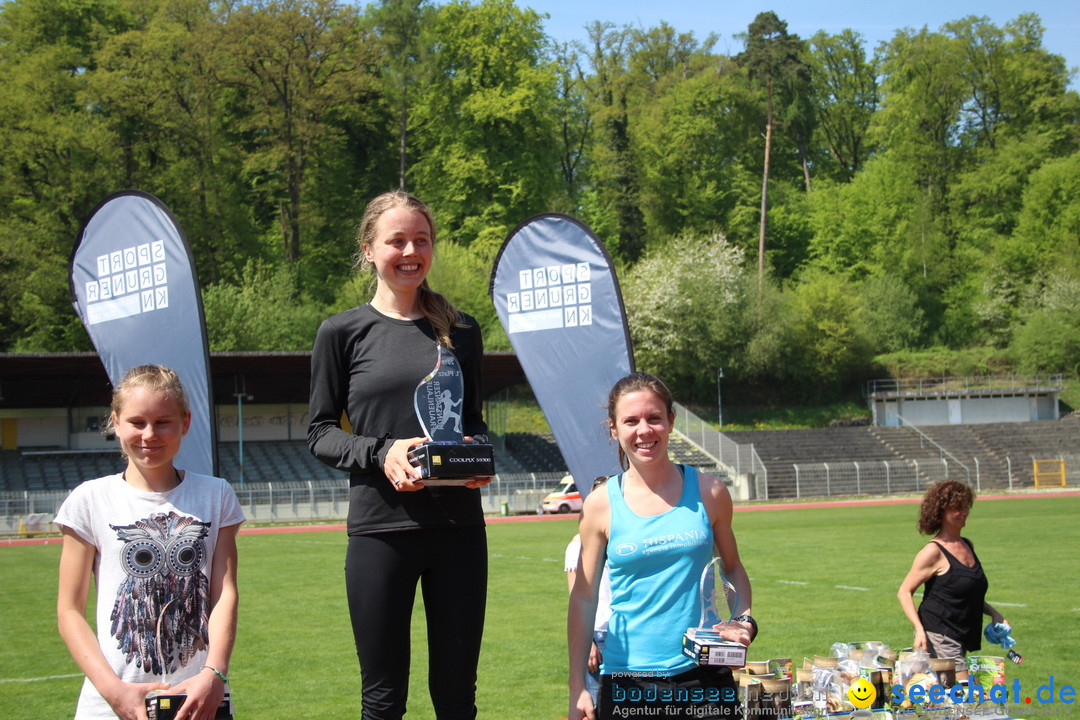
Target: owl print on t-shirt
[160,617]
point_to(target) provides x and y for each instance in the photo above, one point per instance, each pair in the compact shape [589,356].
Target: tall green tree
[773,59]
[399,24]
[262,311]
[660,52]
[59,161]
[174,124]
[866,227]
[298,63]
[923,98]
[1019,115]
[846,92]
[1048,228]
[690,139]
[1048,337]
[614,202]
[917,127]
[485,126]
[574,126]
[1013,84]
[1015,114]
[892,317]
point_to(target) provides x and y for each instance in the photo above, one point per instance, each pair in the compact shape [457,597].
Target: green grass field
[820,575]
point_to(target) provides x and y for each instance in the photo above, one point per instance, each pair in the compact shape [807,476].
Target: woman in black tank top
[948,623]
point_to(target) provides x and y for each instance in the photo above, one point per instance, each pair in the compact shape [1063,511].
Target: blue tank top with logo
[655,566]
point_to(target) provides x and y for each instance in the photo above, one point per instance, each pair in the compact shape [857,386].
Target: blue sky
[876,20]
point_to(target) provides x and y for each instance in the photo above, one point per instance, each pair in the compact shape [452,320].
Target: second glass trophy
[704,644]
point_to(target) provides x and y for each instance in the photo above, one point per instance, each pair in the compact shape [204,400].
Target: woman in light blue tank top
[657,525]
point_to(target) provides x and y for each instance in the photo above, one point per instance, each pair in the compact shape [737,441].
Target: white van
[563,499]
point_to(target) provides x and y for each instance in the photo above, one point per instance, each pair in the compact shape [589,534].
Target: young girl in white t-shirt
[161,545]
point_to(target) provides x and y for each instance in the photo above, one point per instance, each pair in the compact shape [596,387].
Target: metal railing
[321,500]
[517,493]
[923,437]
[301,501]
[975,385]
[889,477]
[880,477]
[734,458]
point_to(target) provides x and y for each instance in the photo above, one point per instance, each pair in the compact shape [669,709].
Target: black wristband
[744,618]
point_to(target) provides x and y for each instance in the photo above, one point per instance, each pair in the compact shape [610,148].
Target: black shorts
[703,692]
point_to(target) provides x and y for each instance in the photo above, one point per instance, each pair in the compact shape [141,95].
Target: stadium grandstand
[51,408]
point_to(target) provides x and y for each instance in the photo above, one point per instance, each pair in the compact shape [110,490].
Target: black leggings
[381,571]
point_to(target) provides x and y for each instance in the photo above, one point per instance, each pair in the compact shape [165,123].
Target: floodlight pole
[719,407]
[240,388]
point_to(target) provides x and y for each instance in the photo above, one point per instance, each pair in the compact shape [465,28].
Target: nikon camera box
[162,706]
[452,463]
[706,647]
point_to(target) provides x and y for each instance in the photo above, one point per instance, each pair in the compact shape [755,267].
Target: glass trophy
[446,458]
[703,643]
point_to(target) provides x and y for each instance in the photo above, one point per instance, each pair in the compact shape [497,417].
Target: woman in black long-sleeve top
[367,363]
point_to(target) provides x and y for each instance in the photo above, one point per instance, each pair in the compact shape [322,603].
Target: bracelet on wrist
[223,676]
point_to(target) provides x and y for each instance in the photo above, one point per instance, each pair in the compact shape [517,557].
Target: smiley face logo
[862,694]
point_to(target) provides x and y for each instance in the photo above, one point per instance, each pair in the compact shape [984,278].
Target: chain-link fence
[522,493]
[889,477]
[869,477]
[16,505]
[304,501]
